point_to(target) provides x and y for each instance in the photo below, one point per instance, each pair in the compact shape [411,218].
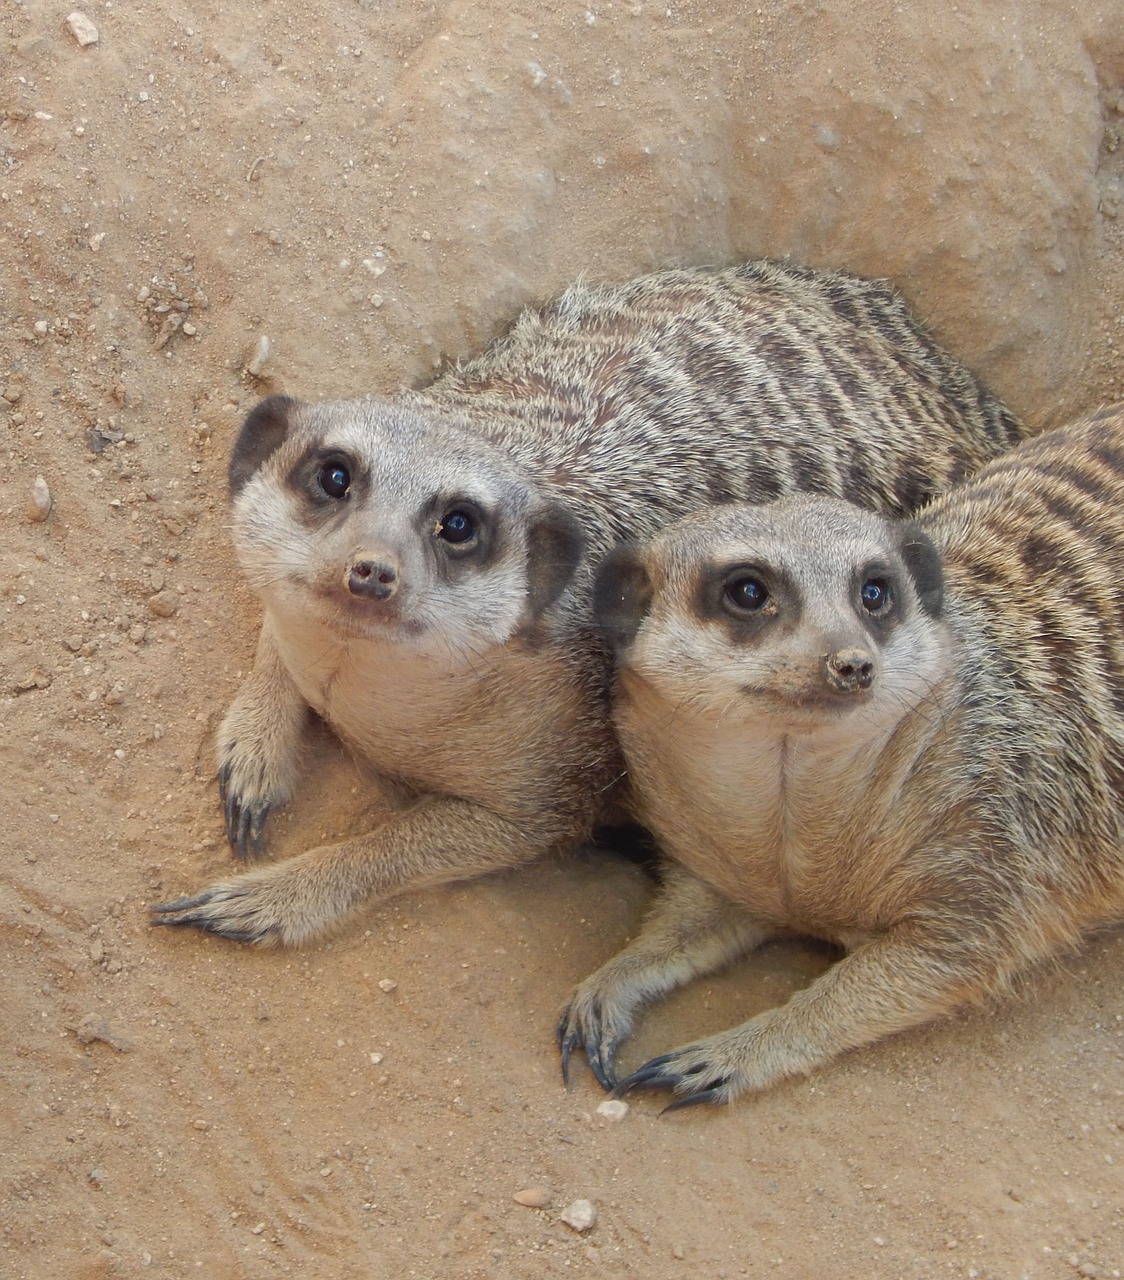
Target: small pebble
[388,985]
[33,680]
[201,1125]
[532,1197]
[164,604]
[39,501]
[41,328]
[258,1229]
[580,1216]
[613,1109]
[82,29]
[97,951]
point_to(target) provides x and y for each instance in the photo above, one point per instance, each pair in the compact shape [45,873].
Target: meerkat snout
[371,578]
[849,670]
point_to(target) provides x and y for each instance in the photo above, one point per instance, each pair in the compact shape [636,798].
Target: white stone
[613,1109]
[580,1216]
[82,29]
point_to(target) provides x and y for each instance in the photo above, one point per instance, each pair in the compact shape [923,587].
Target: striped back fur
[1033,551]
[695,387]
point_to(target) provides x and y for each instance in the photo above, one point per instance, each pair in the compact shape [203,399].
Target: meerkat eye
[334,479]
[875,595]
[747,594]
[459,528]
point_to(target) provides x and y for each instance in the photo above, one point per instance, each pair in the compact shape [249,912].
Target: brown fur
[950,808]
[480,678]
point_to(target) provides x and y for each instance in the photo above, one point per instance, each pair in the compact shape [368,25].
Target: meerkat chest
[495,728]
[399,709]
[771,825]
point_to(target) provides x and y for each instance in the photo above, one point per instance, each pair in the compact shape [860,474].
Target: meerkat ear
[923,561]
[263,431]
[554,546]
[622,594]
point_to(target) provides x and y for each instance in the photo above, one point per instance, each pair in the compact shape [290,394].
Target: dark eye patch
[746,597]
[327,477]
[462,530]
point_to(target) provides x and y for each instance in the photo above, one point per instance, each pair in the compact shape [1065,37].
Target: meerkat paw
[721,1067]
[274,905]
[257,754]
[245,807]
[596,1021]
[690,931]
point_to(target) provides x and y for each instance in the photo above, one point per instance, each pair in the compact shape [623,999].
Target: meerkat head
[805,612]
[380,520]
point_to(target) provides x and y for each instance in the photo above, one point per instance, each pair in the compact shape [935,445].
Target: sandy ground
[378,187]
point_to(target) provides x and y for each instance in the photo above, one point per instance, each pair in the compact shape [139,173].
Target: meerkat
[904,736]
[425,561]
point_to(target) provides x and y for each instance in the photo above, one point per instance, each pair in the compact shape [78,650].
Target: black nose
[372,578]
[849,670]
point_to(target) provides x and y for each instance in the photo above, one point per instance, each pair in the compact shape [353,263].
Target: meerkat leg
[900,980]
[691,930]
[437,841]
[258,748]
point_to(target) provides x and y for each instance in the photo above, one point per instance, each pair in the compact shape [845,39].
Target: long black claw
[650,1076]
[245,830]
[242,833]
[602,1068]
[245,824]
[599,1056]
[257,830]
[186,913]
[180,904]
[693,1100]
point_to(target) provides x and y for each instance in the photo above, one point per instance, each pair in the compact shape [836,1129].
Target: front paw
[689,1072]
[257,764]
[244,817]
[720,1068]
[278,904]
[598,1023]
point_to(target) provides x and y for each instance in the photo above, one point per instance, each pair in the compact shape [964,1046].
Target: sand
[377,188]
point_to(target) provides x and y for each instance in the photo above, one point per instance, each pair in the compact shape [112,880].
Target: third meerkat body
[425,562]
[906,737]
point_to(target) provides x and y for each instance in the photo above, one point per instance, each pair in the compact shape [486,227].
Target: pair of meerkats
[902,732]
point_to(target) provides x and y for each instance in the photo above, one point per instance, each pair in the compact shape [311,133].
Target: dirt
[378,188]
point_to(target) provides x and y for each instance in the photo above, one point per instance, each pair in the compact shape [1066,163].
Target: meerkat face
[379,521]
[800,614]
